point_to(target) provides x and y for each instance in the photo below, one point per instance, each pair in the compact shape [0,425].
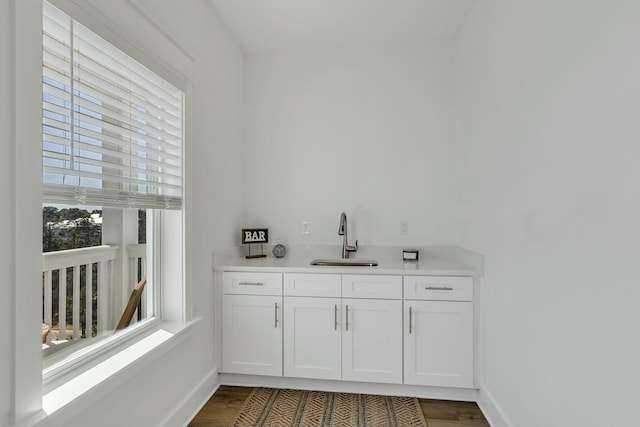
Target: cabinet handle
[347,319]
[251,284]
[410,320]
[438,288]
[276,315]
[335,317]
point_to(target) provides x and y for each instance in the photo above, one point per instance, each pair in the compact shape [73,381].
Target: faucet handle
[353,248]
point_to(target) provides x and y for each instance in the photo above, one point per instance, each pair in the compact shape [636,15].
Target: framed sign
[255,235]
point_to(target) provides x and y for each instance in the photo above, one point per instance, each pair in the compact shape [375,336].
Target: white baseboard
[491,410]
[194,401]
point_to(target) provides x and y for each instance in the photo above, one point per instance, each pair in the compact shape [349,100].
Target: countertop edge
[434,261]
[350,270]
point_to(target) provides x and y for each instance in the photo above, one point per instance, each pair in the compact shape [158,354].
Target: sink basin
[338,262]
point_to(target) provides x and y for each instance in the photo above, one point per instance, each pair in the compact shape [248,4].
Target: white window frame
[24,354]
[168,261]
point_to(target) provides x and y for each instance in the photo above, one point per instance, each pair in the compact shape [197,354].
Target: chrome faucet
[342,231]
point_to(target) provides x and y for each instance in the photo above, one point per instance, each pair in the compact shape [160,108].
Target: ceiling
[306,24]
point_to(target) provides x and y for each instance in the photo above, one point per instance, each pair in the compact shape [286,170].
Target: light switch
[305,227]
[404,228]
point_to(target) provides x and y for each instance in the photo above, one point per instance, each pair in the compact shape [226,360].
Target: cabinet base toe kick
[341,386]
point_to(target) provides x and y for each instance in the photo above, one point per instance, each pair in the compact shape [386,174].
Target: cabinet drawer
[312,285]
[438,288]
[370,286]
[246,283]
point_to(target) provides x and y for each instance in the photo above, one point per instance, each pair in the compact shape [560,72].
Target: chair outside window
[132,305]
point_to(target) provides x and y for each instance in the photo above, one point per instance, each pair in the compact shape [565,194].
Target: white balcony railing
[86,269]
[78,289]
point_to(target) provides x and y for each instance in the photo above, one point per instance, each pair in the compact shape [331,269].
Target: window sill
[99,379]
[76,359]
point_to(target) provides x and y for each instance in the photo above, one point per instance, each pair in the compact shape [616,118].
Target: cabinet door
[312,337]
[372,340]
[438,343]
[252,335]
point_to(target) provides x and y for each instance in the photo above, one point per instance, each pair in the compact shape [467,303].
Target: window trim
[170,313]
[24,354]
[88,15]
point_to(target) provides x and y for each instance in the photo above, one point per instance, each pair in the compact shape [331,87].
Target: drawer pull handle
[251,284]
[335,317]
[438,288]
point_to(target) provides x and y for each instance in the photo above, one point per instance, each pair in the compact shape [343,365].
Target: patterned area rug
[267,407]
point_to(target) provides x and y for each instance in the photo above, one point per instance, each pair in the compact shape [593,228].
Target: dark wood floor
[222,408]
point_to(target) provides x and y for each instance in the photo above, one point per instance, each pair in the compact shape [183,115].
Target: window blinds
[112,129]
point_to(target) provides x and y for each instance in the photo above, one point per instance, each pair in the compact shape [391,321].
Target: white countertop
[434,260]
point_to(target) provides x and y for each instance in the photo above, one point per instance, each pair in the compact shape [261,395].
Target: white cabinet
[416,330]
[372,341]
[252,324]
[371,336]
[312,337]
[357,339]
[252,335]
[438,338]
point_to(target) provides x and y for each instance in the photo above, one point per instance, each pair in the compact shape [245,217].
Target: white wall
[549,155]
[365,131]
[194,44]
[216,179]
[6,257]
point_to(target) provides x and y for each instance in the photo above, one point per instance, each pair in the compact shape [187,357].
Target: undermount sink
[338,262]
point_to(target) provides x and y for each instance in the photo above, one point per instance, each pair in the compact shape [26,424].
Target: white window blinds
[112,129]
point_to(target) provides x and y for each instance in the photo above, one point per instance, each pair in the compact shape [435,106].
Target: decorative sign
[255,235]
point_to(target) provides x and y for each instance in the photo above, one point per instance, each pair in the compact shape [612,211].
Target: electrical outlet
[404,228]
[305,227]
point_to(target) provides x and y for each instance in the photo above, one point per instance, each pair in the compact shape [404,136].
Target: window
[112,159]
